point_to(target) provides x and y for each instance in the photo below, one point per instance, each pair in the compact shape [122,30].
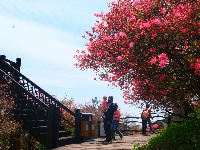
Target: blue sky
[45,36]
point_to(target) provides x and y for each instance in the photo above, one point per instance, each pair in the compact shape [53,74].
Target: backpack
[145,114]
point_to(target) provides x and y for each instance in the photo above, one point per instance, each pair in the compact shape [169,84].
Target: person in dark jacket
[108,119]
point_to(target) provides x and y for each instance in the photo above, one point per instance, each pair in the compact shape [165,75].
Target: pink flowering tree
[69,119]
[150,49]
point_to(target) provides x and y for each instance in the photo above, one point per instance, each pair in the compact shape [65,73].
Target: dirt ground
[127,143]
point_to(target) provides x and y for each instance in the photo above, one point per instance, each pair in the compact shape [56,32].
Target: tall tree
[149,48]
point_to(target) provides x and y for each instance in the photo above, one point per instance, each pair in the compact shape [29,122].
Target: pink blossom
[166,22]
[109,58]
[116,36]
[163,92]
[186,44]
[106,38]
[174,77]
[153,60]
[119,58]
[163,10]
[163,63]
[132,19]
[146,25]
[113,84]
[184,30]
[155,101]
[136,37]
[143,32]
[131,44]
[156,21]
[163,60]
[99,54]
[111,70]
[125,102]
[177,14]
[168,16]
[197,68]
[122,34]
[152,50]
[132,64]
[113,77]
[196,72]
[155,126]
[162,77]
[198,24]
[153,35]
[105,79]
[198,60]
[162,56]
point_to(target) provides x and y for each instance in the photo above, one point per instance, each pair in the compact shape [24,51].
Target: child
[104,104]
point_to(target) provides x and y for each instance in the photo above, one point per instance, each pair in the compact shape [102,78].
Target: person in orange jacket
[104,104]
[104,107]
[115,124]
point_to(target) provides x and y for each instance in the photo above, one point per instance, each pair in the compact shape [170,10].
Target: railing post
[56,125]
[78,125]
[18,64]
[53,127]
[169,120]
[2,58]
[98,124]
[49,137]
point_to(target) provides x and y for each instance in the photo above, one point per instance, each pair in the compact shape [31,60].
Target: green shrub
[183,136]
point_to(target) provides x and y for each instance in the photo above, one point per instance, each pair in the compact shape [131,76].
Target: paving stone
[127,143]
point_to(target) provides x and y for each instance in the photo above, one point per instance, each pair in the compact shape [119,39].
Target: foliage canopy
[149,48]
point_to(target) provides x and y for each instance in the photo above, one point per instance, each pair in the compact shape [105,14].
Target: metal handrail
[52,99]
[24,90]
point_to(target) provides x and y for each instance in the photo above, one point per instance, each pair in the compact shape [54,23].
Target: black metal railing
[25,101]
[33,88]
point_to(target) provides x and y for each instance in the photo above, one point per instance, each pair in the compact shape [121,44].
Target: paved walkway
[127,143]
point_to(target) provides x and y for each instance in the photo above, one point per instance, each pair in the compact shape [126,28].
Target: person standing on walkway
[108,119]
[149,121]
[115,124]
[104,107]
[145,115]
